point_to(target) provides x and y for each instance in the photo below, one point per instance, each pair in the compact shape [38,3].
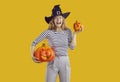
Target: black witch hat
[55,12]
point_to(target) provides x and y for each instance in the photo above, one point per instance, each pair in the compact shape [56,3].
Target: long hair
[53,27]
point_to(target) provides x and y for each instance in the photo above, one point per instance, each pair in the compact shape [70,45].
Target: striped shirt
[59,41]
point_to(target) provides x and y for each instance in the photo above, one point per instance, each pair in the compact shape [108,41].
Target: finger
[82,29]
[37,61]
[35,58]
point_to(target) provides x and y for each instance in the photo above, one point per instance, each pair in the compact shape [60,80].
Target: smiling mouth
[58,23]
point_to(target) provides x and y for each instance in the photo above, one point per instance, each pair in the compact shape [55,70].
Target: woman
[59,38]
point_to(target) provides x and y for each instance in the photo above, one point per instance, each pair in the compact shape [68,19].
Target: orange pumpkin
[44,53]
[77,26]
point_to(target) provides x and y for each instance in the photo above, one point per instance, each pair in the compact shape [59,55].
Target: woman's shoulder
[47,31]
[68,29]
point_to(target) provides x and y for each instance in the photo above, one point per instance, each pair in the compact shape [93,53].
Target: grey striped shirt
[59,41]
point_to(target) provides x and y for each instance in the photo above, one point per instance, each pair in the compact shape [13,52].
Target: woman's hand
[80,30]
[36,60]
[33,57]
[78,27]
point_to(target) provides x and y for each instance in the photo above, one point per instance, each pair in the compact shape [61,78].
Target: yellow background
[96,57]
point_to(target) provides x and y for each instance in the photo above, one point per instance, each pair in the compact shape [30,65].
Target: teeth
[58,22]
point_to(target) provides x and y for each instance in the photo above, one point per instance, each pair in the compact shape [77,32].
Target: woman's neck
[59,29]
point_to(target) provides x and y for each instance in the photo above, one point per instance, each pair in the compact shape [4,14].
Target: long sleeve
[41,37]
[70,39]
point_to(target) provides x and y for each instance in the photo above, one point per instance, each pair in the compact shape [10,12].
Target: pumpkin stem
[76,21]
[43,44]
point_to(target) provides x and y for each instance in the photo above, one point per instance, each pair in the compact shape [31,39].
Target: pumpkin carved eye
[44,53]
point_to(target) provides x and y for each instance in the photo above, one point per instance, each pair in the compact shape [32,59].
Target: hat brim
[48,19]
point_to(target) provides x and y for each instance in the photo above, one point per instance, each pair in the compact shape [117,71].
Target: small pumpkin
[44,53]
[77,26]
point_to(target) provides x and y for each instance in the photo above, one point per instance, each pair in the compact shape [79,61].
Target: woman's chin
[58,26]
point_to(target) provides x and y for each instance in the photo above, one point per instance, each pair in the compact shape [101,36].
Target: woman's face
[58,20]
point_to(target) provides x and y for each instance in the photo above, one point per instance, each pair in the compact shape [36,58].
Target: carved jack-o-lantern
[44,53]
[77,26]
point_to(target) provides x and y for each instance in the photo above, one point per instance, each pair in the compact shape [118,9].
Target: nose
[57,19]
